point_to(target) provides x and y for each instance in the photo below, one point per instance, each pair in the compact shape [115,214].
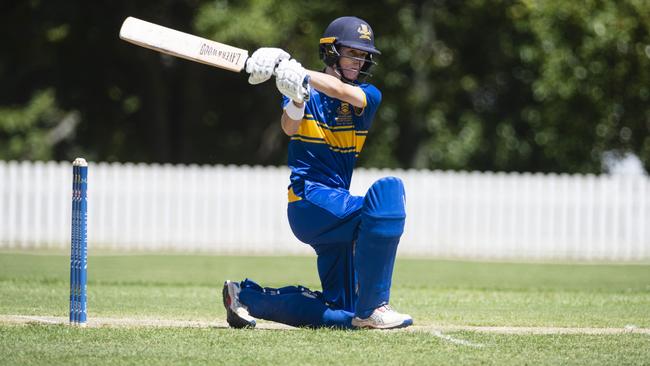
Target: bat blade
[184,45]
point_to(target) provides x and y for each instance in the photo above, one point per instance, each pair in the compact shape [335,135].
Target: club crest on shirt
[343,114]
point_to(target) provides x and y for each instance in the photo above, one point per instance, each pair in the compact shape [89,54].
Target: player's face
[351,62]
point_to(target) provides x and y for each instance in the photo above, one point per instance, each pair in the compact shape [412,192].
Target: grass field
[439,295]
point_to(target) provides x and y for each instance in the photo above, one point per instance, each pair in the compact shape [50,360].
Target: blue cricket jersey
[330,137]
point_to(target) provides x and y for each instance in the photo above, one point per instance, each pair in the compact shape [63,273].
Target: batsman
[327,116]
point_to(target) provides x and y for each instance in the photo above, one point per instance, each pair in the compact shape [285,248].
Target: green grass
[434,292]
[65,345]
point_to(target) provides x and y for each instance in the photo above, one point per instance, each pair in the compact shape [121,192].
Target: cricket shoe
[384,317]
[236,313]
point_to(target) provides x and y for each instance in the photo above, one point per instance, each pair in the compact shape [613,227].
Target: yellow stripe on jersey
[360,140]
[339,136]
[308,139]
[342,139]
[337,128]
[310,117]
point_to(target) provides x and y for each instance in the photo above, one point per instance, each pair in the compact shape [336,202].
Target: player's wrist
[294,110]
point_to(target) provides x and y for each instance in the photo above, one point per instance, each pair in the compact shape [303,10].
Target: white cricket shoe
[236,313]
[384,317]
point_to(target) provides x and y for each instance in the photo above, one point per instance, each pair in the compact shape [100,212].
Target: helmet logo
[364,32]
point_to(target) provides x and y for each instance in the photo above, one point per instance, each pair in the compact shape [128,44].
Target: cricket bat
[183,45]
[187,46]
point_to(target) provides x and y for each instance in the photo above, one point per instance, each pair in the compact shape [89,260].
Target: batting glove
[292,80]
[262,62]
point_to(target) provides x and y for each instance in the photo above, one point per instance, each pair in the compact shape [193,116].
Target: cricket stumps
[79,243]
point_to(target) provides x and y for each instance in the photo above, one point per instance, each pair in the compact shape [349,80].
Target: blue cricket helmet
[349,32]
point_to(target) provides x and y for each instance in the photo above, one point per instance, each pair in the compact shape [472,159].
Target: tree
[475,85]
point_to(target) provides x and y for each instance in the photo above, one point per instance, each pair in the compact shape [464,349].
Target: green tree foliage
[476,85]
[524,86]
[592,91]
[31,132]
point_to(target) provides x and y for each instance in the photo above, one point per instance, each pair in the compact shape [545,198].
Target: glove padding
[292,80]
[262,62]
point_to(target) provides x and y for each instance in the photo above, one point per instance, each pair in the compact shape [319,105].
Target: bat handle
[305,84]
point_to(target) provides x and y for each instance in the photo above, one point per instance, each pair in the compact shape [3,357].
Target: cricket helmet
[349,32]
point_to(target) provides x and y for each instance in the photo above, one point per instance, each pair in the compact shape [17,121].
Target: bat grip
[305,84]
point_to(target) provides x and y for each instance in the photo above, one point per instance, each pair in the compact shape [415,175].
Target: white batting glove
[262,63]
[292,80]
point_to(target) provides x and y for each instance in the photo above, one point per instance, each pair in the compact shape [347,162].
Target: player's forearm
[335,88]
[289,126]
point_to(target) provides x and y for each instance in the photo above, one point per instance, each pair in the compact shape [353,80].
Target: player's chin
[351,74]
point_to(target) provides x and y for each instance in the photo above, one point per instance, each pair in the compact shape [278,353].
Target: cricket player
[327,115]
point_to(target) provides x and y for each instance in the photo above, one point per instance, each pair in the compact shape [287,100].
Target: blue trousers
[355,239]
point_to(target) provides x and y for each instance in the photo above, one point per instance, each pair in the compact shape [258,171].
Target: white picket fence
[240,209]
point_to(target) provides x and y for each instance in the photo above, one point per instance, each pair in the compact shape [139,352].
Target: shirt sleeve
[373,100]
